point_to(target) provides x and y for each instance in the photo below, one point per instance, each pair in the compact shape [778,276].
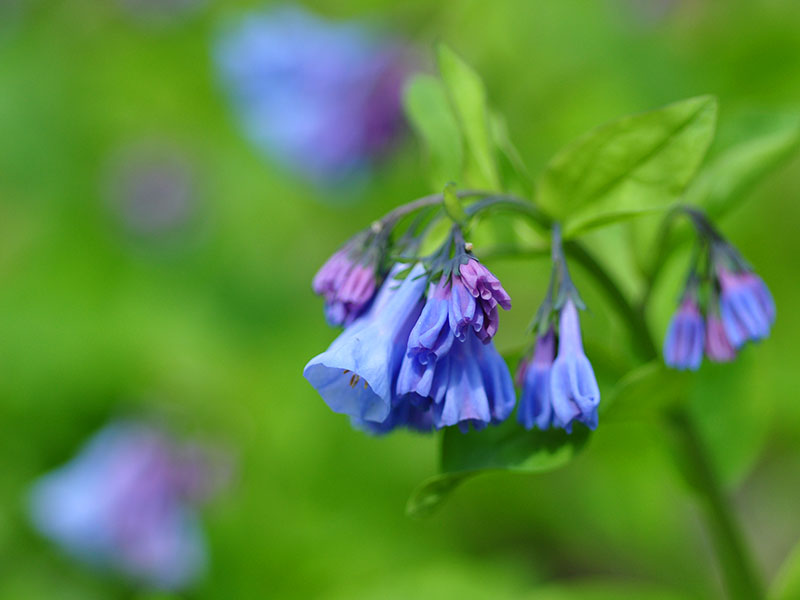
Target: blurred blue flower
[151,188]
[745,305]
[533,375]
[683,346]
[573,386]
[356,375]
[320,97]
[125,503]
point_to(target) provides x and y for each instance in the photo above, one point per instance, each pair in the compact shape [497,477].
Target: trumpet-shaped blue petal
[573,386]
[535,405]
[409,411]
[357,374]
[683,346]
[745,306]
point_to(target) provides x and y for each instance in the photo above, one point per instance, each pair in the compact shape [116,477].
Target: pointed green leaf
[467,96]
[506,447]
[502,140]
[644,392]
[428,110]
[634,164]
[731,175]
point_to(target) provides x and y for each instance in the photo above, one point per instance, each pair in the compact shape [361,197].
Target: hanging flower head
[739,307]
[450,361]
[558,391]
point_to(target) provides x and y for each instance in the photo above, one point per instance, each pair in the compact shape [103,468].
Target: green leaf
[644,392]
[506,447]
[428,110]
[727,179]
[629,166]
[468,99]
[787,584]
[452,204]
[502,140]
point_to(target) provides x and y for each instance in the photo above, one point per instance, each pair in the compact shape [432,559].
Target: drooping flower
[126,503]
[357,374]
[573,388]
[450,360]
[348,280]
[533,376]
[321,97]
[718,346]
[683,346]
[745,305]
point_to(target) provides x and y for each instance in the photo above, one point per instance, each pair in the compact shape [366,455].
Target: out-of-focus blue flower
[535,405]
[683,346]
[573,386]
[357,374]
[322,98]
[745,305]
[718,346]
[151,188]
[125,503]
[451,361]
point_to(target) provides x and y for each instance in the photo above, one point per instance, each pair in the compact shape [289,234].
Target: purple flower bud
[125,503]
[573,388]
[718,346]
[482,284]
[745,305]
[356,375]
[347,285]
[535,406]
[683,346]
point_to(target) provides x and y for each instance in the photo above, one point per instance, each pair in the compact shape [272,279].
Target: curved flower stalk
[320,97]
[126,502]
[357,374]
[558,391]
[739,306]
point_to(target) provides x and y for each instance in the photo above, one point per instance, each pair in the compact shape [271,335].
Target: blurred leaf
[429,112]
[730,415]
[468,98]
[506,447]
[727,179]
[605,590]
[630,165]
[644,392]
[787,583]
[502,140]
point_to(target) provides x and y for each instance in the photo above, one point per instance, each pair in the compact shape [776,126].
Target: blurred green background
[209,322]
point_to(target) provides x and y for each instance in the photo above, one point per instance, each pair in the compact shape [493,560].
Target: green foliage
[505,447]
[644,393]
[429,113]
[787,584]
[468,98]
[729,177]
[629,166]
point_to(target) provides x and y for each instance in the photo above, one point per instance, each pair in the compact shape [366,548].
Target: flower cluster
[421,355]
[349,279]
[738,306]
[126,503]
[323,98]
[560,387]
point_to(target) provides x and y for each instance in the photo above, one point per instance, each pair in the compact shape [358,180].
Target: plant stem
[738,570]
